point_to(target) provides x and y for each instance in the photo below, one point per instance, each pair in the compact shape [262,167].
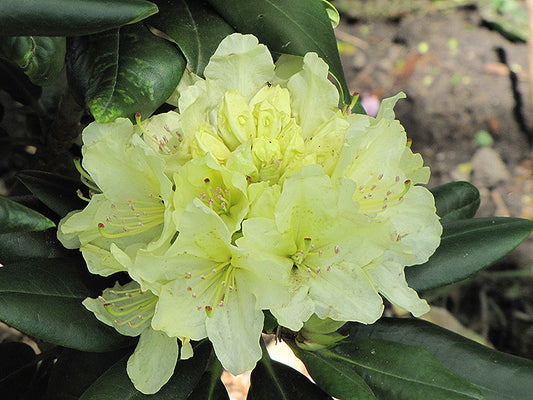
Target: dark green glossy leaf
[116,385]
[401,372]
[42,298]
[210,386]
[271,323]
[288,27]
[19,86]
[468,246]
[16,368]
[194,26]
[272,380]
[69,17]
[456,200]
[30,201]
[57,192]
[40,57]
[334,376]
[74,371]
[124,71]
[498,376]
[15,217]
[17,246]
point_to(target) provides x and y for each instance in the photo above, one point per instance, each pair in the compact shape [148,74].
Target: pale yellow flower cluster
[258,193]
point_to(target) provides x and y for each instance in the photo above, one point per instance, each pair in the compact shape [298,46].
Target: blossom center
[216,198]
[167,141]
[132,217]
[373,197]
[211,288]
[308,258]
[133,307]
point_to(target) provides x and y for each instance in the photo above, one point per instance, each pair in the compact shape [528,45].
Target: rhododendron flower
[131,206]
[262,119]
[257,194]
[209,287]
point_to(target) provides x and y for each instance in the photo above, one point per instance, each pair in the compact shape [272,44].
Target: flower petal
[202,233]
[234,330]
[241,63]
[299,309]
[176,313]
[100,261]
[345,293]
[124,315]
[416,223]
[136,170]
[307,205]
[314,98]
[389,279]
[152,363]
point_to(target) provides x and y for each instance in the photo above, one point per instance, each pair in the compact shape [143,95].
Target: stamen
[86,179]
[380,205]
[81,196]
[216,198]
[132,307]
[81,170]
[211,286]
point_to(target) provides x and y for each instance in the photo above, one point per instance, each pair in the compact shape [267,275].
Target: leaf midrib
[482,229]
[196,35]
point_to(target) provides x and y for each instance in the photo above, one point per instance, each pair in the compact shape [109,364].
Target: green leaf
[401,372]
[334,376]
[16,246]
[194,26]
[456,200]
[468,246]
[498,376]
[40,57]
[57,192]
[288,27]
[74,371]
[15,217]
[116,385]
[124,71]
[272,380]
[42,298]
[210,386]
[69,17]
[19,86]
[271,323]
